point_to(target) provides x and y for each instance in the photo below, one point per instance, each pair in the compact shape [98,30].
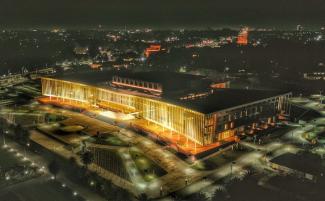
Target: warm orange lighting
[117,115]
[173,117]
[176,140]
[222,85]
[95,66]
[138,87]
[242,38]
[152,49]
[190,131]
[226,135]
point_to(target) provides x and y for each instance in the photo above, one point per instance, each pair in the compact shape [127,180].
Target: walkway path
[42,162]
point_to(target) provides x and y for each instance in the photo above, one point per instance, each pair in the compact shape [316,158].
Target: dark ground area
[303,161]
[249,190]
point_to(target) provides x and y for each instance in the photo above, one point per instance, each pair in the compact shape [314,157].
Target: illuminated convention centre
[166,107]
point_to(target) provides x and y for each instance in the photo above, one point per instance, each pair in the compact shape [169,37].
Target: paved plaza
[215,172]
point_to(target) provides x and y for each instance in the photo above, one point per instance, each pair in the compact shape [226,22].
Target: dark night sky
[161,13]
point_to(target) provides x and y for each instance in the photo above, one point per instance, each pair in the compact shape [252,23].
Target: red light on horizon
[242,38]
[151,49]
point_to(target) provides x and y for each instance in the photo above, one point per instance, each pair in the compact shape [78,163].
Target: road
[40,182]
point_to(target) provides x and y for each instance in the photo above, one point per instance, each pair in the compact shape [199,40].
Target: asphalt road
[39,189]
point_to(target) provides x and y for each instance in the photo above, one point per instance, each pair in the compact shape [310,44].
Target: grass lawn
[54,129]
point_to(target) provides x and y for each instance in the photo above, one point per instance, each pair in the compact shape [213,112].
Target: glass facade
[201,128]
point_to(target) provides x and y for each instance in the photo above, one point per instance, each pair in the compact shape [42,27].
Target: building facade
[201,128]
[236,120]
[152,87]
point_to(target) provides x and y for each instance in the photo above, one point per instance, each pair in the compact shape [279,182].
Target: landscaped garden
[147,168]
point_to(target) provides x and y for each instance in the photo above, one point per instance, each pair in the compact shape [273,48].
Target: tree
[121,194]
[25,136]
[87,158]
[54,168]
[98,134]
[143,197]
[108,185]
[21,134]
[18,132]
[218,195]
[197,197]
[72,160]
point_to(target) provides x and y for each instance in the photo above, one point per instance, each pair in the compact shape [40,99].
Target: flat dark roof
[152,76]
[90,78]
[220,99]
[171,82]
[302,161]
[160,76]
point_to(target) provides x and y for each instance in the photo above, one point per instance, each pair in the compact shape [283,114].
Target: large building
[242,38]
[162,84]
[152,49]
[204,118]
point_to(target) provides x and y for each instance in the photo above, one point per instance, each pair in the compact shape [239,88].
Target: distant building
[42,72]
[220,85]
[11,80]
[314,76]
[81,50]
[95,66]
[152,49]
[299,28]
[159,83]
[242,38]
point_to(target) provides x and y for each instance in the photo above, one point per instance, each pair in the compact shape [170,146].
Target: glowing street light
[4,140]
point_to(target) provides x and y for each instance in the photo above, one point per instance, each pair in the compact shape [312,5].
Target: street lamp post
[321,97]
[231,166]
[4,139]
[25,153]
